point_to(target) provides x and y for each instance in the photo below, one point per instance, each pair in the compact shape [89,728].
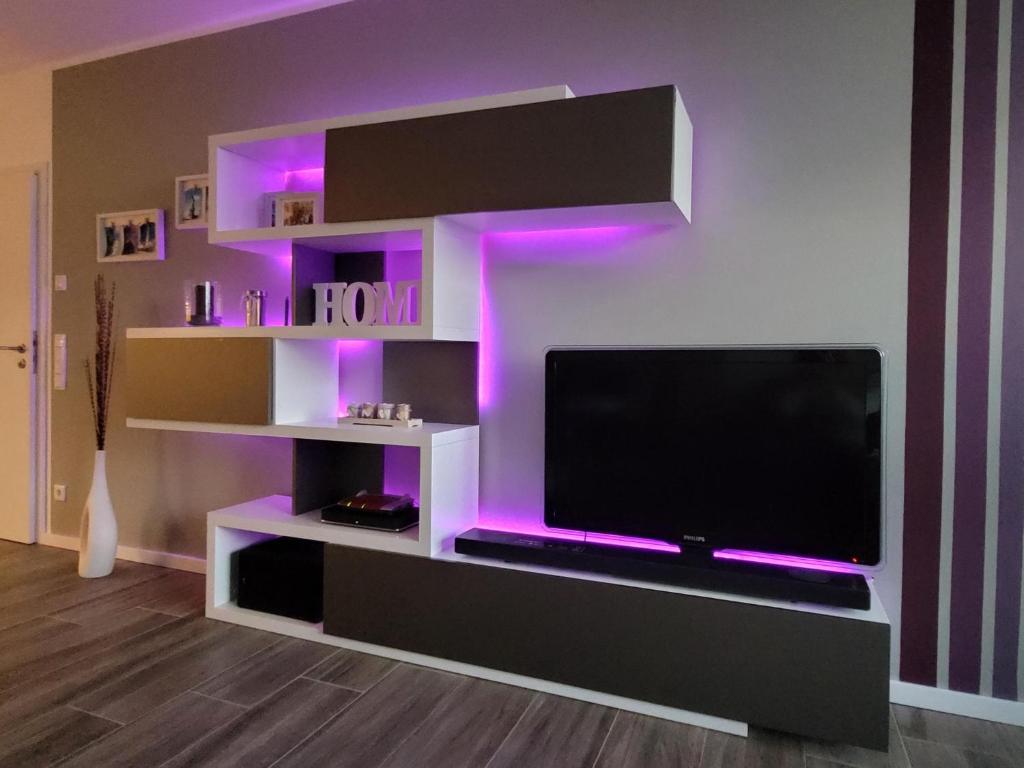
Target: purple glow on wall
[402,470]
[632,542]
[403,265]
[570,234]
[354,345]
[304,180]
[543,245]
[560,244]
[485,348]
[788,561]
[280,251]
[358,372]
[406,265]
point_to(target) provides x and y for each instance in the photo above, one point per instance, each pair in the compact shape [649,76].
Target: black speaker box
[284,577]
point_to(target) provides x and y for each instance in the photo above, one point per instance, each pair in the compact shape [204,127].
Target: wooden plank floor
[125,671]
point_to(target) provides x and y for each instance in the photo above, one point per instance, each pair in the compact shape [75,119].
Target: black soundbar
[699,571]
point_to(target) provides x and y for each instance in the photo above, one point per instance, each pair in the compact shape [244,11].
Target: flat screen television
[763,449]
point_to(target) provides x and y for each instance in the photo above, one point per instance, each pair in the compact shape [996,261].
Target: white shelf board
[273,515]
[407,234]
[634,215]
[314,332]
[429,435]
[355,237]
[282,625]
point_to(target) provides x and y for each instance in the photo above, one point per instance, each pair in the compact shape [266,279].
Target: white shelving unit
[272,515]
[244,167]
[447,496]
[448,493]
[450,273]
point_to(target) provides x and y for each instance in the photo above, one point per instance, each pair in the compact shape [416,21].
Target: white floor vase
[99,526]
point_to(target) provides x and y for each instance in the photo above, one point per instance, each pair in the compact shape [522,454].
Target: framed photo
[130,236]
[293,209]
[191,201]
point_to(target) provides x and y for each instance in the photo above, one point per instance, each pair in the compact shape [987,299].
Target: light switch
[60,282]
[60,361]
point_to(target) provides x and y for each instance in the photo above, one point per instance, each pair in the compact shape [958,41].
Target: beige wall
[801,113]
[25,117]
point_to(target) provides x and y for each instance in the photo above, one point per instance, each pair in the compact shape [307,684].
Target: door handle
[20,349]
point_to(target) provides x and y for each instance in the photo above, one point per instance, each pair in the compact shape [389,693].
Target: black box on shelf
[283,576]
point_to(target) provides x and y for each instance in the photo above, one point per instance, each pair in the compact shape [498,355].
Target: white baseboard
[163,559]
[133,554]
[957,703]
[55,540]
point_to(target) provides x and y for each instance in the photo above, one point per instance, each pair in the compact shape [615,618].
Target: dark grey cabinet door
[608,149]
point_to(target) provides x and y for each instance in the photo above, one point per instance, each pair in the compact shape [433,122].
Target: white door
[19,193]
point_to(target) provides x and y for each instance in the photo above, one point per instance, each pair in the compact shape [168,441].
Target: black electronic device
[377,519]
[282,576]
[765,449]
[699,571]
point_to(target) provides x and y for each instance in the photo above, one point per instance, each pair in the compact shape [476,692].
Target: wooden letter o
[348,304]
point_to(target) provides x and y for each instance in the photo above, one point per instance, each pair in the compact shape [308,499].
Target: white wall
[26,111]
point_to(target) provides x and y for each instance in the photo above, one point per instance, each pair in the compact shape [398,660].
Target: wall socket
[60,493]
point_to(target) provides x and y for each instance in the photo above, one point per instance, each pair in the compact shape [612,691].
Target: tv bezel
[883,432]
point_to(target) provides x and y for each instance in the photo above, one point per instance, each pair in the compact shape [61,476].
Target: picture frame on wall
[192,201]
[293,209]
[130,235]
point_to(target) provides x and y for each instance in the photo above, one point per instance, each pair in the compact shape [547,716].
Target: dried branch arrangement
[100,373]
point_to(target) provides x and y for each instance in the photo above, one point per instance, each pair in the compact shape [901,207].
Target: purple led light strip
[654,545]
[597,538]
[786,561]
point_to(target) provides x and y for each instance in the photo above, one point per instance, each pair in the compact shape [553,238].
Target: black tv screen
[770,450]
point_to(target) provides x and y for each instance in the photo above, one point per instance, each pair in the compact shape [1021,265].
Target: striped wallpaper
[964,507]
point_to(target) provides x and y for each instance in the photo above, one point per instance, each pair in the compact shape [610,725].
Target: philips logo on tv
[697,539]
